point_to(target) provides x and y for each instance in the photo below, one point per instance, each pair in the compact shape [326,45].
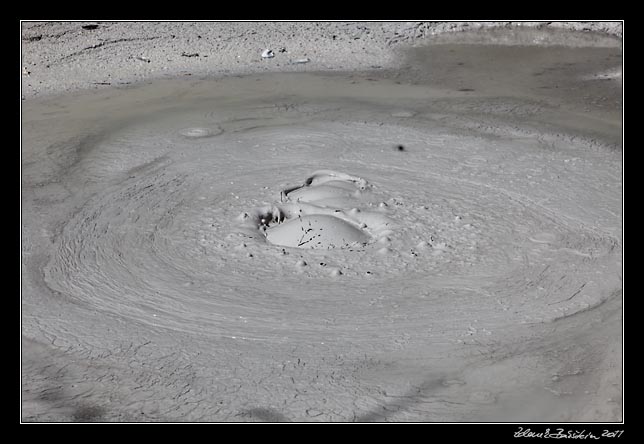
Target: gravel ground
[60,57]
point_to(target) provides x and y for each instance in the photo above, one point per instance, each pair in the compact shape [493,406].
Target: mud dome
[321,213]
[257,248]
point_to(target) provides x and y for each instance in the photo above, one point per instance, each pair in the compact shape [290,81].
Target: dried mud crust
[62,57]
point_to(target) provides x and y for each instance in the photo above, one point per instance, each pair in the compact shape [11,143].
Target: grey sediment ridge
[64,57]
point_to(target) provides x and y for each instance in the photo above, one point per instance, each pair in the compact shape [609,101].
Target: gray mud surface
[436,239]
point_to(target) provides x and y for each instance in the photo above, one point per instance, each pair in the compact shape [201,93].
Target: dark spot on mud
[466,89]
[89,27]
[400,148]
[87,413]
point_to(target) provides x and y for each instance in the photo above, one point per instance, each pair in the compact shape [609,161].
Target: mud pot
[437,243]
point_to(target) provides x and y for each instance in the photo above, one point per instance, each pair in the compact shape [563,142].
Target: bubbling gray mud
[253,247]
[321,213]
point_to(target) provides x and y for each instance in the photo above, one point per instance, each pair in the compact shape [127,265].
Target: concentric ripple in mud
[291,222]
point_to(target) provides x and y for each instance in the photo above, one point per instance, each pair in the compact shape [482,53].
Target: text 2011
[566,434]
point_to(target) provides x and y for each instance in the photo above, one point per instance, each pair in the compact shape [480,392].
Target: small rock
[25,72]
[282,50]
[143,59]
[268,54]
[302,61]
[89,27]
[190,54]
